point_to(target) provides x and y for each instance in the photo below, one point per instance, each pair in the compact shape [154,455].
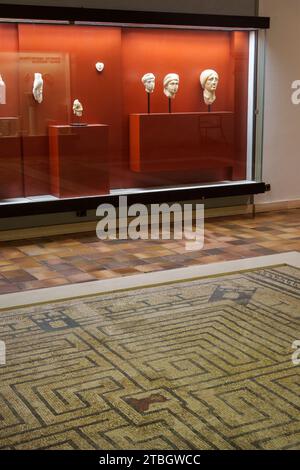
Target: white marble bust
[37,90]
[148,81]
[209,80]
[171,84]
[77,108]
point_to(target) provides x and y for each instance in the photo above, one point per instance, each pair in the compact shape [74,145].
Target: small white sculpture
[171,84]
[209,80]
[149,82]
[2,91]
[77,108]
[99,66]
[37,90]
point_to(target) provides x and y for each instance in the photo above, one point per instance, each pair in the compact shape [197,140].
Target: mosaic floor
[201,364]
[68,259]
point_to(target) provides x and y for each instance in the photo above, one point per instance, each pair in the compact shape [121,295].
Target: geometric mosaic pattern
[202,364]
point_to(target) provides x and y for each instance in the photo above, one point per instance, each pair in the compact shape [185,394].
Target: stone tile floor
[67,259]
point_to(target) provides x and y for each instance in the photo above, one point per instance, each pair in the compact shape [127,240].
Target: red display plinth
[182,141]
[11,179]
[11,171]
[79,160]
[36,165]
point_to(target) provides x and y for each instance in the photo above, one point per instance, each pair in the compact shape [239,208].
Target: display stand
[35,149]
[11,172]
[79,160]
[182,141]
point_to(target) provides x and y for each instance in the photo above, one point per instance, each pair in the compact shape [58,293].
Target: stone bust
[77,108]
[209,80]
[148,81]
[171,84]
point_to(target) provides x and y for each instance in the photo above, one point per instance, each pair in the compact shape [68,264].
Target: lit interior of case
[122,137]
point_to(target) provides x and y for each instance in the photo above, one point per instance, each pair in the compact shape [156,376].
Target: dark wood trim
[147,197]
[39,12]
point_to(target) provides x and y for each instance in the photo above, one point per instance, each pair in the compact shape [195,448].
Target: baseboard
[81,227]
[47,231]
[277,206]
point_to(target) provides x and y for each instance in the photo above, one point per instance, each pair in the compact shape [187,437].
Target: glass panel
[11,169]
[77,120]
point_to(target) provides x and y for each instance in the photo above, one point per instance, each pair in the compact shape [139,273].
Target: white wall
[224,7]
[282,118]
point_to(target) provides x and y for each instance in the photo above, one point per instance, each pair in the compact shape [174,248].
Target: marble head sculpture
[77,108]
[171,84]
[209,80]
[148,81]
[37,89]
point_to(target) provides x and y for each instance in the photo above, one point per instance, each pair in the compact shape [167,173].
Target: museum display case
[158,106]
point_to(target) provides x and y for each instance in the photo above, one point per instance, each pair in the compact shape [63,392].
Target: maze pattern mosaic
[204,364]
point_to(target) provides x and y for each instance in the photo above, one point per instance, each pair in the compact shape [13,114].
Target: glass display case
[94,104]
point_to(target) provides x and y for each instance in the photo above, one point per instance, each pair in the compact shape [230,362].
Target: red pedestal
[11,171]
[182,141]
[79,160]
[36,165]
